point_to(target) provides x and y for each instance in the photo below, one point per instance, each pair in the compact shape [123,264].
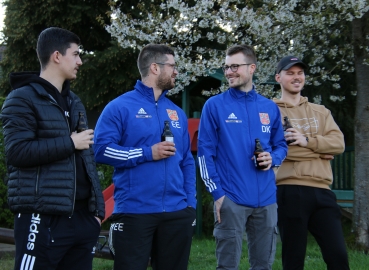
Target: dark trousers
[166,237]
[302,209]
[48,242]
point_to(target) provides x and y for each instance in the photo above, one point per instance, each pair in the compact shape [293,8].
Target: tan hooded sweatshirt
[303,165]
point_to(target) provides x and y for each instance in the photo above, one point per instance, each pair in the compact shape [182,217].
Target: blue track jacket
[230,123]
[127,128]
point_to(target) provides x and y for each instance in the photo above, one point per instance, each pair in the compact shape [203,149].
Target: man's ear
[55,57]
[155,69]
[278,77]
[252,68]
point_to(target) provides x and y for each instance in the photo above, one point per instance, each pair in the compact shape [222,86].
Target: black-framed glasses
[174,66]
[233,68]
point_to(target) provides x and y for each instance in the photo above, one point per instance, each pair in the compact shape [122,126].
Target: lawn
[202,257]
[203,249]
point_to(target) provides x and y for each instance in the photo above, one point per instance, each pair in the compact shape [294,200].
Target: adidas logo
[232,116]
[141,111]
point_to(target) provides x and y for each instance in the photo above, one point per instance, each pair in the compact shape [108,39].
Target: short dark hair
[54,39]
[246,50]
[152,53]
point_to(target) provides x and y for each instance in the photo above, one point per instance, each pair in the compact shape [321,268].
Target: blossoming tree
[320,31]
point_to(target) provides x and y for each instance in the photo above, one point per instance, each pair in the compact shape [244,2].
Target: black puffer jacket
[41,155]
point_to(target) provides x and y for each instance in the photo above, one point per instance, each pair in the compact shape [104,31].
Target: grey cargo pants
[261,230]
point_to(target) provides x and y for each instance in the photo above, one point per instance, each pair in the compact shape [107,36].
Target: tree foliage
[317,31]
[6,217]
[106,71]
[201,30]
[331,36]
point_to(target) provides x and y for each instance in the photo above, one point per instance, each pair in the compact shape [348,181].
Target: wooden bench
[345,199]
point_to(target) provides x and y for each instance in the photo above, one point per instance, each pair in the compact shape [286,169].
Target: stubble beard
[165,82]
[239,85]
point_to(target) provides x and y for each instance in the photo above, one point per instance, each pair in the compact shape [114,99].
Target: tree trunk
[360,29]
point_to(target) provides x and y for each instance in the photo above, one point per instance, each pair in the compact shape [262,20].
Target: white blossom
[317,99]
[336,98]
[274,28]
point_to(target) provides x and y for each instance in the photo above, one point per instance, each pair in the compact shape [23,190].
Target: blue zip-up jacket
[125,131]
[230,123]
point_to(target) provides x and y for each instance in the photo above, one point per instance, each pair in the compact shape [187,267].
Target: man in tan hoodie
[305,201]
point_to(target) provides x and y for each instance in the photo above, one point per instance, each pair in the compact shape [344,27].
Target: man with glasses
[244,196]
[155,182]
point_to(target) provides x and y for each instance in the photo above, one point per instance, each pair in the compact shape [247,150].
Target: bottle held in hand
[286,126]
[167,135]
[82,125]
[258,149]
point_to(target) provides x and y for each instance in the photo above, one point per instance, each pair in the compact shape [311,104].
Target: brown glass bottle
[258,149]
[82,125]
[167,135]
[286,126]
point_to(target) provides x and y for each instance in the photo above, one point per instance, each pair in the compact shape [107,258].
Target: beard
[239,83]
[165,82]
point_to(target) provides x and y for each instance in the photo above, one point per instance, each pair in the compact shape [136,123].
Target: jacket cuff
[72,143]
[192,203]
[217,194]
[147,151]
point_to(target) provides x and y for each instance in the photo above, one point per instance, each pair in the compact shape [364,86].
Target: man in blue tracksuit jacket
[244,196]
[155,182]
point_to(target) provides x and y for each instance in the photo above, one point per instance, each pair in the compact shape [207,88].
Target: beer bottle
[286,126]
[167,135]
[258,149]
[81,126]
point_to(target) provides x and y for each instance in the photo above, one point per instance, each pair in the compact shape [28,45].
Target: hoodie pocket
[317,168]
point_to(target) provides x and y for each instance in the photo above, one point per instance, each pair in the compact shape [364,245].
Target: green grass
[203,256]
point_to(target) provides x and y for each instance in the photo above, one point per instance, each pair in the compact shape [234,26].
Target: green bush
[207,212]
[105,175]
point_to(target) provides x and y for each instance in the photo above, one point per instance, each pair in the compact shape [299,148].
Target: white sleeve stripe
[123,155]
[205,176]
[139,150]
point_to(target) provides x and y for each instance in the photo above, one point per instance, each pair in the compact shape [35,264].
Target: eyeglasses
[174,66]
[233,68]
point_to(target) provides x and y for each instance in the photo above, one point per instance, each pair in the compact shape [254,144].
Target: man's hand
[264,158]
[83,140]
[163,150]
[98,220]
[218,204]
[293,134]
[327,157]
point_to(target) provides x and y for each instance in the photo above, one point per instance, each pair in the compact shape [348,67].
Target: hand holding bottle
[262,159]
[163,150]
[296,137]
[286,126]
[83,140]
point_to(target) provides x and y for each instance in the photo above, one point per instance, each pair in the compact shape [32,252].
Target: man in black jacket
[53,186]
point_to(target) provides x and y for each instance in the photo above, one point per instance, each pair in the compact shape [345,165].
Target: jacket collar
[40,90]
[240,94]
[148,92]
